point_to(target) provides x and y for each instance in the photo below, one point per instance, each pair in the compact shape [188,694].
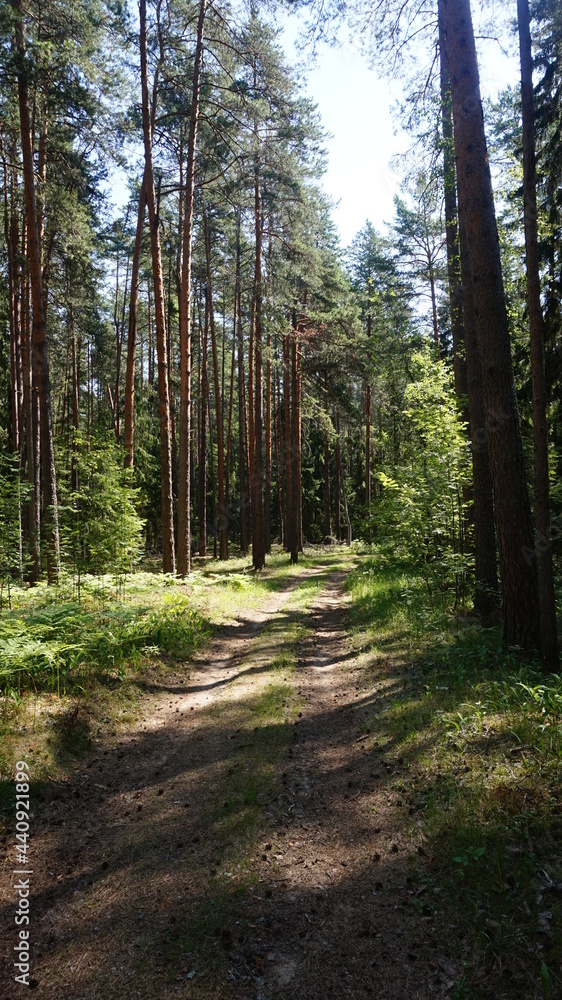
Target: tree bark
[485,564]
[242,437]
[203,409]
[466,362]
[129,416]
[267,492]
[257,513]
[287,425]
[327,489]
[338,479]
[543,548]
[451,227]
[39,324]
[184,477]
[221,521]
[168,548]
[476,210]
[294,448]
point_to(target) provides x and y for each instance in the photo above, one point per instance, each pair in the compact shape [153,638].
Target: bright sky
[355,107]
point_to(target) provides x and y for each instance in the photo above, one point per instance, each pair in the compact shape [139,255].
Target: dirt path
[242,840]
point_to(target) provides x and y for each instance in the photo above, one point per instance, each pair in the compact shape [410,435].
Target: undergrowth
[56,646]
[473,733]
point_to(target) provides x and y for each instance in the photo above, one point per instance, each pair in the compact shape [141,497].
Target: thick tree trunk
[39,325]
[466,360]
[368,445]
[485,565]
[129,417]
[543,548]
[168,548]
[184,465]
[221,523]
[477,212]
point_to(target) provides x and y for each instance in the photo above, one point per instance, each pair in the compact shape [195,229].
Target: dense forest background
[210,371]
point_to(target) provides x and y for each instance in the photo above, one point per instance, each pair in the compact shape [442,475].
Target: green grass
[474,736]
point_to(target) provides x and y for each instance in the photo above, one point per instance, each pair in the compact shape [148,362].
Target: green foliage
[421,506]
[100,527]
[473,734]
[12,495]
[55,645]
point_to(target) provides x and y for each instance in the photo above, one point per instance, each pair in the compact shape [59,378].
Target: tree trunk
[242,441]
[288,462]
[39,325]
[485,566]
[477,212]
[184,477]
[203,408]
[11,236]
[221,522]
[129,432]
[468,390]
[294,535]
[257,514]
[451,227]
[231,395]
[327,490]
[338,479]
[543,548]
[278,455]
[168,549]
[267,495]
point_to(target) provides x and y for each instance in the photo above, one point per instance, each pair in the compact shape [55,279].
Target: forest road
[242,839]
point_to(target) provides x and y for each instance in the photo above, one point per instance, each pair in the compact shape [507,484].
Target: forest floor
[252,830]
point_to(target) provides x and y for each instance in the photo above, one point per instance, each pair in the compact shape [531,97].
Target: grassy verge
[473,735]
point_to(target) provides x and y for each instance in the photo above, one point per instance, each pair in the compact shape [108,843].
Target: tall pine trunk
[288,462]
[184,461]
[543,548]
[294,449]
[242,423]
[338,479]
[257,512]
[477,212]
[39,350]
[466,362]
[485,562]
[168,548]
[129,415]
[220,519]
[203,410]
